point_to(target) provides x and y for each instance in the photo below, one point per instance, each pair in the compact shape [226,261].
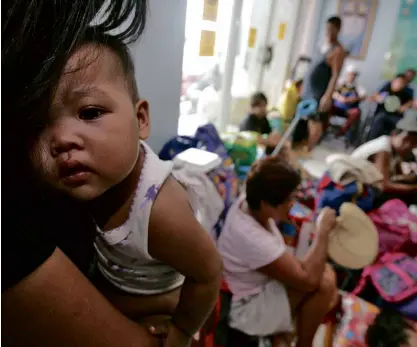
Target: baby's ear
[142,114]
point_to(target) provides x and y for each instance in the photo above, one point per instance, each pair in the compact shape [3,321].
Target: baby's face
[91,142]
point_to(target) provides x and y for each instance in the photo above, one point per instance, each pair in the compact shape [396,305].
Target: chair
[366,124]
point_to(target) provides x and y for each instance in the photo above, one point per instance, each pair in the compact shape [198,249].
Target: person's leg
[315,131]
[378,126]
[317,126]
[353,116]
[310,309]
[391,123]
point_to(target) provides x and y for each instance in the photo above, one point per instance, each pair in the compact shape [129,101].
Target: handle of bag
[359,192]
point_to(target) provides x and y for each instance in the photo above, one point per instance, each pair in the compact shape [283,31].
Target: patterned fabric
[307,190]
[357,316]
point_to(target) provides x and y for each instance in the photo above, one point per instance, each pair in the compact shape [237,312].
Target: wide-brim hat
[353,243]
[408,122]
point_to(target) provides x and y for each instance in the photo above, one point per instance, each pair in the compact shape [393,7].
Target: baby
[149,245]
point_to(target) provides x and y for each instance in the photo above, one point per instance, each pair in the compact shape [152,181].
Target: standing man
[321,79]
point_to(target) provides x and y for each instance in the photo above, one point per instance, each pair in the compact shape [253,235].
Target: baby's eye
[90,113]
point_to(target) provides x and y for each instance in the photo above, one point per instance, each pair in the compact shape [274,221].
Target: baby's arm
[177,239]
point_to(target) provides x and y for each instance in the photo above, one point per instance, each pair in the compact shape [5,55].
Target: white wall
[286,11]
[158,62]
[306,29]
[379,43]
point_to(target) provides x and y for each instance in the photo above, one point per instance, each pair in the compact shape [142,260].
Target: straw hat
[345,169]
[353,243]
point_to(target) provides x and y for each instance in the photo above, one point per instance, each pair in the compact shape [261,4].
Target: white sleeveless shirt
[368,149]
[380,144]
[122,253]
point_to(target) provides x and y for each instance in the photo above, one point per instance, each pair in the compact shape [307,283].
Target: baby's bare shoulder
[172,195]
[174,230]
[171,208]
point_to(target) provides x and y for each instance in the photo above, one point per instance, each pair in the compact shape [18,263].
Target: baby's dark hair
[257,99]
[270,180]
[120,49]
[400,75]
[388,330]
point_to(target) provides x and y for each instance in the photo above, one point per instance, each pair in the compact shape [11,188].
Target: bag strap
[358,194]
[366,273]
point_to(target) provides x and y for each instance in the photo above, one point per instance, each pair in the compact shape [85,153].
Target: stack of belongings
[348,179]
[349,186]
[391,281]
[222,174]
[381,242]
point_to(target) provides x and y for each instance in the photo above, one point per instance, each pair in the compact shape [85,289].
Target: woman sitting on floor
[269,285]
[387,153]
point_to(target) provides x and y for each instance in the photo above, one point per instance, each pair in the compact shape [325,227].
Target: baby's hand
[159,330]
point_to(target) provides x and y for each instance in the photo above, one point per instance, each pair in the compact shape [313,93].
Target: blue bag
[208,139]
[175,146]
[333,195]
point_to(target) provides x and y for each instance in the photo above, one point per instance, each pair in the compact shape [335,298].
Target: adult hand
[380,98]
[325,103]
[326,220]
[342,99]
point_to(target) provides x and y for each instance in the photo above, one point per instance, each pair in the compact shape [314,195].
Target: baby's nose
[65,138]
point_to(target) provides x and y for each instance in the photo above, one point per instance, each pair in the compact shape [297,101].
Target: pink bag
[394,277]
[397,228]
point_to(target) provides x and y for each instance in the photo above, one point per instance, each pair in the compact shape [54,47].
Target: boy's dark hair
[400,75]
[120,49]
[270,180]
[388,330]
[257,99]
[335,21]
[299,82]
[411,70]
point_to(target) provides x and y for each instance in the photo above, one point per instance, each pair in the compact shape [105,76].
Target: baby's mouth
[73,173]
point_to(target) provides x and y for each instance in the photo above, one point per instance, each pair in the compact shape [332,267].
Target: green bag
[242,147]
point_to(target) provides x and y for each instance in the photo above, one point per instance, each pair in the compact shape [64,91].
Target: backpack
[333,195]
[397,227]
[394,276]
[175,146]
[208,139]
